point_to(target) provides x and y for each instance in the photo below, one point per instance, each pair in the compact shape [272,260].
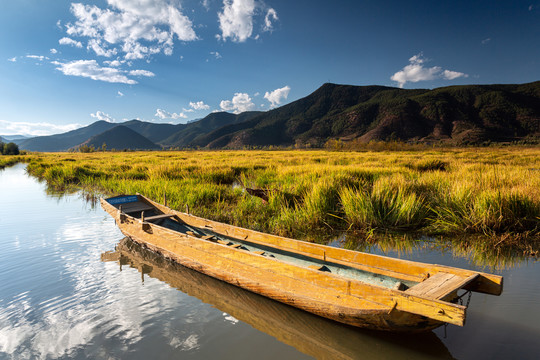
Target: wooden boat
[313,335]
[350,287]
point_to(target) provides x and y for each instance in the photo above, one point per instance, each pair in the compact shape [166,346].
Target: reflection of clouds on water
[187,344]
[13,331]
[230,318]
[97,301]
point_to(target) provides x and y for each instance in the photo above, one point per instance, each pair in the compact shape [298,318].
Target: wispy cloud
[216,54]
[13,59]
[120,94]
[275,97]
[141,73]
[271,16]
[206,4]
[485,41]
[91,69]
[37,57]
[240,102]
[34,129]
[416,71]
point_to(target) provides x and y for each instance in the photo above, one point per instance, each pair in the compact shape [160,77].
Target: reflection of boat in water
[354,288]
[310,334]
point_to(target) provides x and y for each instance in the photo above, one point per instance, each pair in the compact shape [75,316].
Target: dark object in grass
[261,193]
[429,165]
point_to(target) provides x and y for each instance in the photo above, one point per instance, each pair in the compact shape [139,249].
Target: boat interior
[146,212]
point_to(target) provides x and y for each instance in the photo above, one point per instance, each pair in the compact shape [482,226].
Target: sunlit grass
[318,194]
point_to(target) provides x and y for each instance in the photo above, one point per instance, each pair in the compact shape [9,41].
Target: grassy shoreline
[319,194]
[10,160]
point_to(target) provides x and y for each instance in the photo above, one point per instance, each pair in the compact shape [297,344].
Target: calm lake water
[72,287]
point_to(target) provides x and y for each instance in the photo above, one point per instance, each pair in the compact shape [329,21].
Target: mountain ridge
[454,115]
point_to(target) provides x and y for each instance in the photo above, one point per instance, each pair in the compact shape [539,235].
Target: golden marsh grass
[321,193]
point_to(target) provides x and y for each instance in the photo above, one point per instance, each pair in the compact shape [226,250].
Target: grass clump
[384,207]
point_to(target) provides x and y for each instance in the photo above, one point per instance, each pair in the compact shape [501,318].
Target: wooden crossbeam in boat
[157,217]
[440,285]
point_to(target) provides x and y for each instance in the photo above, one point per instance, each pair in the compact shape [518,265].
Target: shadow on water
[310,334]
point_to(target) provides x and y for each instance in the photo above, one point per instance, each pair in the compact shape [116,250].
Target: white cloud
[53,51]
[69,41]
[91,69]
[240,102]
[271,15]
[275,97]
[37,57]
[415,72]
[100,115]
[120,94]
[162,114]
[34,129]
[13,59]
[236,20]
[199,105]
[125,23]
[141,73]
[216,54]
[485,41]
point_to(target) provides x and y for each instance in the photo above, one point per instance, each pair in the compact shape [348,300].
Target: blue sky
[66,64]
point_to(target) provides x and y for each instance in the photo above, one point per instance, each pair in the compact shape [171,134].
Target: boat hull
[273,280]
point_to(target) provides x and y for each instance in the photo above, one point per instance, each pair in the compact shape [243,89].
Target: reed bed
[320,194]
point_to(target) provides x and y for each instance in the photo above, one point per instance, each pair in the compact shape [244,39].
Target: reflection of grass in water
[496,252]
[316,195]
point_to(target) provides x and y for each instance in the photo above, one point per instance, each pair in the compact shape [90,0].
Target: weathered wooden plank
[440,285]
[434,285]
[157,217]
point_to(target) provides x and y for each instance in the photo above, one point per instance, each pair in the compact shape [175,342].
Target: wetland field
[493,193]
[72,287]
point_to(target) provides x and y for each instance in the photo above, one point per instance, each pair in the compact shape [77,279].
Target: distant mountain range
[455,115]
[12,138]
